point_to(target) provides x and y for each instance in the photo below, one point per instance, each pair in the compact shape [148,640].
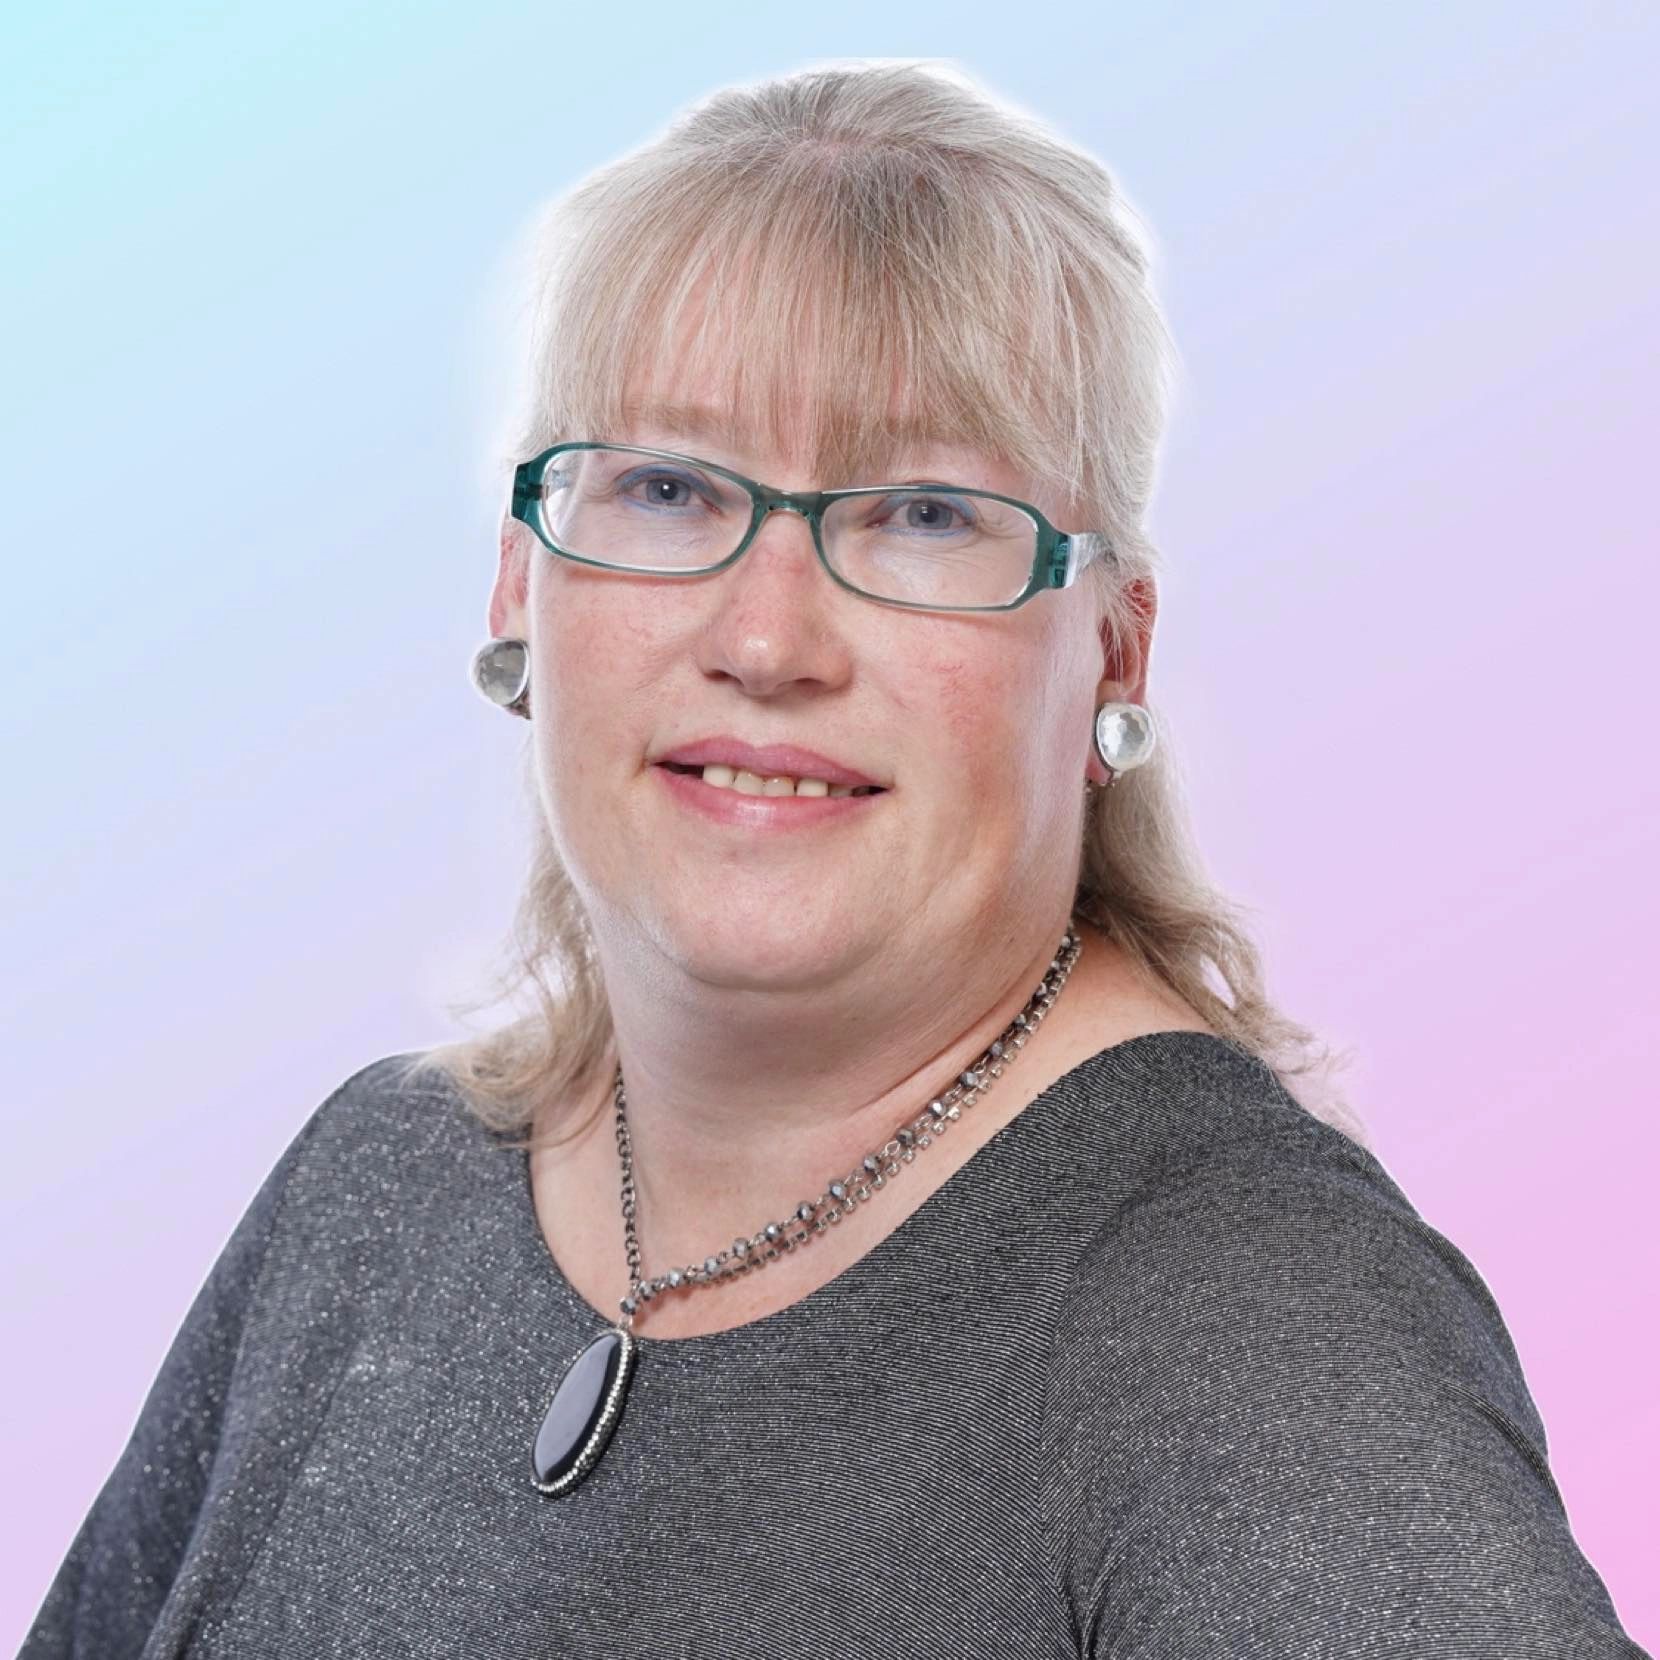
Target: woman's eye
[659,489]
[926,514]
[933,515]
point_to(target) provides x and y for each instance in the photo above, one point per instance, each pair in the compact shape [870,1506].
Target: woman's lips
[764,760]
[723,805]
[753,781]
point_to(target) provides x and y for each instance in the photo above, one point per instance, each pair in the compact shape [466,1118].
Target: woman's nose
[776,611]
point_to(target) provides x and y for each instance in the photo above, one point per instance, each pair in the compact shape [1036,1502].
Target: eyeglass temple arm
[1073,553]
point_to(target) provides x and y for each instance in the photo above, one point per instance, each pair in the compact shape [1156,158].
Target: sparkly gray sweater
[1168,1369]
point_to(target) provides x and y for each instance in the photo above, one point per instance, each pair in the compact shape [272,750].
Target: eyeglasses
[929,547]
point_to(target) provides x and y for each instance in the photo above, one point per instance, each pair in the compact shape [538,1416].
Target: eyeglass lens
[925,544]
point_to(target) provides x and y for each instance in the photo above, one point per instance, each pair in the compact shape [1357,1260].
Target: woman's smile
[751,802]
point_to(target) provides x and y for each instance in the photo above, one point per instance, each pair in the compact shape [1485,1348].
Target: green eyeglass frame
[1060,556]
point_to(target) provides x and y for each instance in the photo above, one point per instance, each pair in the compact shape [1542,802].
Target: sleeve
[120,1565]
[1287,1418]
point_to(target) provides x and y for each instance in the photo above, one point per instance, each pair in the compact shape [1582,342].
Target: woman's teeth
[750,783]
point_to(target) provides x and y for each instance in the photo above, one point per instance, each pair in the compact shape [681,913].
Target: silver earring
[501,671]
[1123,737]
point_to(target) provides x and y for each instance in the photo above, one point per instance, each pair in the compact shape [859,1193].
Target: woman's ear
[510,596]
[1126,656]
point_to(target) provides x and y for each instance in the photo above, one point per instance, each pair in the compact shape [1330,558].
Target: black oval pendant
[584,1412]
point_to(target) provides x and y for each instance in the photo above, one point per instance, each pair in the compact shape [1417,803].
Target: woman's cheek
[978,712]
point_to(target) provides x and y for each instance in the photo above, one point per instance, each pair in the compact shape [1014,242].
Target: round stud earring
[501,672]
[1124,737]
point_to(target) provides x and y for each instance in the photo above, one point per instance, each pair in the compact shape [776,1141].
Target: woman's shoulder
[1271,1376]
[387,1146]
[392,1112]
[1267,1219]
[1273,1270]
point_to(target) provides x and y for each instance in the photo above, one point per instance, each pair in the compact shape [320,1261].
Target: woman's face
[977,727]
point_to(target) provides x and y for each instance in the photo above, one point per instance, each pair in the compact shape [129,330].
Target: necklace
[589,1400]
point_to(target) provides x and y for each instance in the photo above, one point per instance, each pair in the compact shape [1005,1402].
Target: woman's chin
[774,945]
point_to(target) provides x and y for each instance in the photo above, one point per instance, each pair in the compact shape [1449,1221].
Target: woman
[881,1237]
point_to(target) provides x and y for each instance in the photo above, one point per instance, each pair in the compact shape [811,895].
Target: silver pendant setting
[584,1412]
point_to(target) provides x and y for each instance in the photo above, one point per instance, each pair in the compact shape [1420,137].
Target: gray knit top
[1168,1368]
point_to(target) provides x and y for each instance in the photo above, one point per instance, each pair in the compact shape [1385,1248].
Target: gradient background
[259,828]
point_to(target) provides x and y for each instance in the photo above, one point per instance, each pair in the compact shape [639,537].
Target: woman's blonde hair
[886,228]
